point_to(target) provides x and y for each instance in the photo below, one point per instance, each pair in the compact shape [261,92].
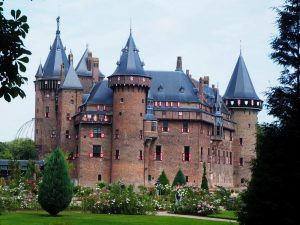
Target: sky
[208,34]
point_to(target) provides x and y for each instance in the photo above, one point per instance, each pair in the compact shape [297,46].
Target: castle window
[164,113]
[208,155]
[224,158]
[241,161]
[53,134]
[141,134]
[230,158]
[141,155]
[158,153]
[117,134]
[95,132]
[249,125]
[68,116]
[201,154]
[141,114]
[219,157]
[242,180]
[153,126]
[230,136]
[179,113]
[97,151]
[165,127]
[185,127]
[99,177]
[149,177]
[117,155]
[218,130]
[186,155]
[186,178]
[68,134]
[143,101]
[47,112]
[121,100]
[72,101]
[241,141]
[120,113]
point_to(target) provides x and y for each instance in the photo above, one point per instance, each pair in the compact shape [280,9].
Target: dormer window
[181,89]
[160,88]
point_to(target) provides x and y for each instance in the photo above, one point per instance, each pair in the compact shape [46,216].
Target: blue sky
[206,33]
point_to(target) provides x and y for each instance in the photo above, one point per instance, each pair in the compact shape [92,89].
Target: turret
[244,104]
[130,84]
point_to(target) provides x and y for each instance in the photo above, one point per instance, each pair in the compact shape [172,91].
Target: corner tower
[130,85]
[242,101]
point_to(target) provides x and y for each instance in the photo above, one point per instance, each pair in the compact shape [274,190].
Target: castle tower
[130,84]
[69,100]
[241,99]
[46,95]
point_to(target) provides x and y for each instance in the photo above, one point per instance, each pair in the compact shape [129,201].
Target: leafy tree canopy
[18,149]
[13,54]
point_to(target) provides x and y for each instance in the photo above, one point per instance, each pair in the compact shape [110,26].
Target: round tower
[244,104]
[130,85]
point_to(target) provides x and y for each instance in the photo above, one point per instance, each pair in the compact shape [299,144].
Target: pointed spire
[72,81]
[39,72]
[240,85]
[240,47]
[56,57]
[130,62]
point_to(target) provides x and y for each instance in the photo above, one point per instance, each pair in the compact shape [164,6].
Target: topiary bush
[179,178]
[56,188]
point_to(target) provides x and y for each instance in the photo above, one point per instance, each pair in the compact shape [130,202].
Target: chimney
[206,80]
[179,64]
[62,73]
[188,73]
[89,61]
[213,86]
[201,89]
[95,70]
[70,58]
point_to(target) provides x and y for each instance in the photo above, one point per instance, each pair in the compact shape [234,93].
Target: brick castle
[136,123]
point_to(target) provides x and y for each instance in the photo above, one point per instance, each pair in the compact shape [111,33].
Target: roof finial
[87,46]
[240,47]
[130,27]
[57,21]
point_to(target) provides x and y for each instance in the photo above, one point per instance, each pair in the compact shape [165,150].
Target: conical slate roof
[39,72]
[130,62]
[240,85]
[71,81]
[82,66]
[56,57]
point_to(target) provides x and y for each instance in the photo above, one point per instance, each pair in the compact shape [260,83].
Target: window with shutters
[97,151]
[185,127]
[165,127]
[158,153]
[67,134]
[117,155]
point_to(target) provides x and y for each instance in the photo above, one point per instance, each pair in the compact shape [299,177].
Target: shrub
[204,183]
[56,188]
[179,178]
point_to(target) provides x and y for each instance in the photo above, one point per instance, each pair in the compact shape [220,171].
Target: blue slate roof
[100,94]
[240,85]
[56,57]
[71,80]
[171,86]
[130,62]
[82,66]
[39,72]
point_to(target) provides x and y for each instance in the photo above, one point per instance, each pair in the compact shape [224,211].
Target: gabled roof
[56,57]
[71,81]
[39,72]
[100,94]
[130,62]
[171,86]
[240,85]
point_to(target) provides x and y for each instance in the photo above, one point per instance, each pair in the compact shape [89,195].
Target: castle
[136,123]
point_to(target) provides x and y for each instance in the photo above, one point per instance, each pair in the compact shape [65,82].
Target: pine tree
[204,183]
[179,178]
[56,189]
[163,179]
[271,195]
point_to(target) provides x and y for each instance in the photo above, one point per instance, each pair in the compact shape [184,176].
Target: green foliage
[18,149]
[56,188]
[163,179]
[204,183]
[179,178]
[13,55]
[270,196]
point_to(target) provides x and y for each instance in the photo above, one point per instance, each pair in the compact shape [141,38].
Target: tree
[179,178]
[23,149]
[13,54]
[56,188]
[163,179]
[204,183]
[270,196]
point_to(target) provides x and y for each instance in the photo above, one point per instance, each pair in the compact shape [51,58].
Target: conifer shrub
[179,178]
[163,179]
[56,188]
[204,183]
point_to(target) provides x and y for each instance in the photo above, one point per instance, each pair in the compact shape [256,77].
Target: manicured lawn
[225,215]
[78,218]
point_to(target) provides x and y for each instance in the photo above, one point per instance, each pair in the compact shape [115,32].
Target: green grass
[78,218]
[225,215]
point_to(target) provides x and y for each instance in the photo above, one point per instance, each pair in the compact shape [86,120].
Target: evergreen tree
[179,178]
[204,183]
[56,189]
[163,179]
[271,195]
